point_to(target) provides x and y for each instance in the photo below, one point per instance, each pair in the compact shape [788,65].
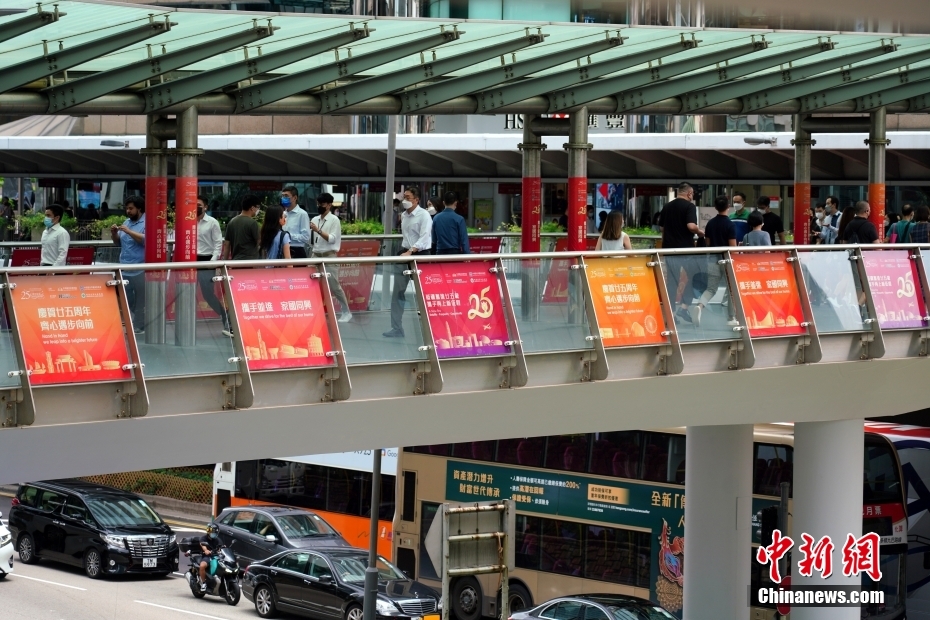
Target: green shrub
[99,226]
[363,227]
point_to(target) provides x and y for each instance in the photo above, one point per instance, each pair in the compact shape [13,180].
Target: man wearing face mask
[417,229]
[325,240]
[209,545]
[297,222]
[55,239]
[209,248]
[130,239]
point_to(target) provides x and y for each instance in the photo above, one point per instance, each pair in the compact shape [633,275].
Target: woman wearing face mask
[275,242]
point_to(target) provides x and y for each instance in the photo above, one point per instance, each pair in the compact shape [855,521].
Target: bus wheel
[466,599]
[520,599]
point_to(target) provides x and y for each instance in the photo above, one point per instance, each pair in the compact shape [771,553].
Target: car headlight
[5,538]
[439,604]
[385,608]
[115,541]
[172,539]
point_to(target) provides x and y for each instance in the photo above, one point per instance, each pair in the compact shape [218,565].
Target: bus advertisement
[335,486]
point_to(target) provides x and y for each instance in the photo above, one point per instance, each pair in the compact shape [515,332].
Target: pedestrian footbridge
[94,379]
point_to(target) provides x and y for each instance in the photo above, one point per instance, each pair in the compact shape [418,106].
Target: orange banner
[626,301]
[769,292]
[877,204]
[70,329]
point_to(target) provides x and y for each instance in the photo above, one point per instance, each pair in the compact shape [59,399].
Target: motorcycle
[224,582]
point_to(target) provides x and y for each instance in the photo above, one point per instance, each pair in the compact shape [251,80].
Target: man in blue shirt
[297,222]
[450,235]
[130,239]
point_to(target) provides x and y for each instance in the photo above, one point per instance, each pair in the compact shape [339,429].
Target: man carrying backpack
[860,230]
[901,230]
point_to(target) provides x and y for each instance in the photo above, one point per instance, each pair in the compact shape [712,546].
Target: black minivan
[103,530]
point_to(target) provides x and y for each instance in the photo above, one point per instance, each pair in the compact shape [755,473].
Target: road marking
[54,583]
[180,611]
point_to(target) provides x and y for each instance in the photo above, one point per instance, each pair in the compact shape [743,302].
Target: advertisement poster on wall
[626,301]
[281,317]
[769,292]
[484,214]
[71,329]
[464,308]
[894,280]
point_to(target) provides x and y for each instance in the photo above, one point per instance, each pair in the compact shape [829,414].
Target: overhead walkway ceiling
[639,158]
[109,58]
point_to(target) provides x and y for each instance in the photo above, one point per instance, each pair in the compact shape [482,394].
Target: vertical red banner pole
[185,228]
[577,148]
[878,145]
[802,181]
[531,197]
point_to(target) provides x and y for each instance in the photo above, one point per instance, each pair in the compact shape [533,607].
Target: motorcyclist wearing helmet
[209,545]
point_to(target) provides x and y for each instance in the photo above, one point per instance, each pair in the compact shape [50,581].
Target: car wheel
[2,576]
[27,550]
[264,602]
[354,612]
[93,564]
[466,599]
[519,598]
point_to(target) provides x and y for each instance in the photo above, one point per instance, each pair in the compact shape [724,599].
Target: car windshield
[122,512]
[351,568]
[303,526]
[640,612]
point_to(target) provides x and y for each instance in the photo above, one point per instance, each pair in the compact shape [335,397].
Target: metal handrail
[453,258]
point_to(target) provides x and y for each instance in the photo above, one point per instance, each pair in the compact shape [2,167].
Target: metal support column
[371,573]
[156,233]
[577,148]
[802,181]
[388,217]
[531,218]
[878,144]
[185,229]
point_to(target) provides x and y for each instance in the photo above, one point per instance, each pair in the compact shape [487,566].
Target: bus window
[567,452]
[615,555]
[561,547]
[527,542]
[881,484]
[388,488]
[428,512]
[655,457]
[315,485]
[526,451]
[676,460]
[410,497]
[477,450]
[617,454]
[246,477]
[345,491]
[773,465]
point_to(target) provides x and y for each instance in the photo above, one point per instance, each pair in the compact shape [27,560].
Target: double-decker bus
[604,512]
[335,486]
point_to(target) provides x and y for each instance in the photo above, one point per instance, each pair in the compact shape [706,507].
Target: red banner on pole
[556,291]
[156,225]
[464,308]
[356,278]
[802,219]
[531,221]
[70,328]
[185,226]
[281,317]
[877,204]
[577,213]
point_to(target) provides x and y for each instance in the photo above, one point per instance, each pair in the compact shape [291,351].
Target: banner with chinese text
[70,328]
[626,301]
[356,278]
[281,317]
[485,245]
[556,291]
[893,279]
[769,292]
[464,307]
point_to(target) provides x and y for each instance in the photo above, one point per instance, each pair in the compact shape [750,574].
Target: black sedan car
[595,607]
[257,532]
[328,584]
[103,530]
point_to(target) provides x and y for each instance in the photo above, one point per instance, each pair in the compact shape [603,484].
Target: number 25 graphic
[482,307]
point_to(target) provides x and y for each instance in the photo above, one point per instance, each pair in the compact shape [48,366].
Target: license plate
[149,562]
[431,617]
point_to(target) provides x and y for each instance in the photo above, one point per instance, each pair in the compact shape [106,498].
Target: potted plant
[34,222]
[101,228]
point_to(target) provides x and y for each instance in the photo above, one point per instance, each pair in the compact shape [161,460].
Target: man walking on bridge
[679,225]
[416,227]
[450,235]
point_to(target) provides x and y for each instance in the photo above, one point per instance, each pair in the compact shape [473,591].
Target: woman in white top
[613,237]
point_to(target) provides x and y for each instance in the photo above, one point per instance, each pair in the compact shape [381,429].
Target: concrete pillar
[878,144]
[802,181]
[156,228]
[185,229]
[718,521]
[577,148]
[531,219]
[827,501]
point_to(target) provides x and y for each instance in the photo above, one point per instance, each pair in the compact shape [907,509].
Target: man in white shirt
[297,222]
[416,226]
[55,239]
[209,248]
[325,241]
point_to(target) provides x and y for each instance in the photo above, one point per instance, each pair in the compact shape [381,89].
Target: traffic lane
[49,591]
